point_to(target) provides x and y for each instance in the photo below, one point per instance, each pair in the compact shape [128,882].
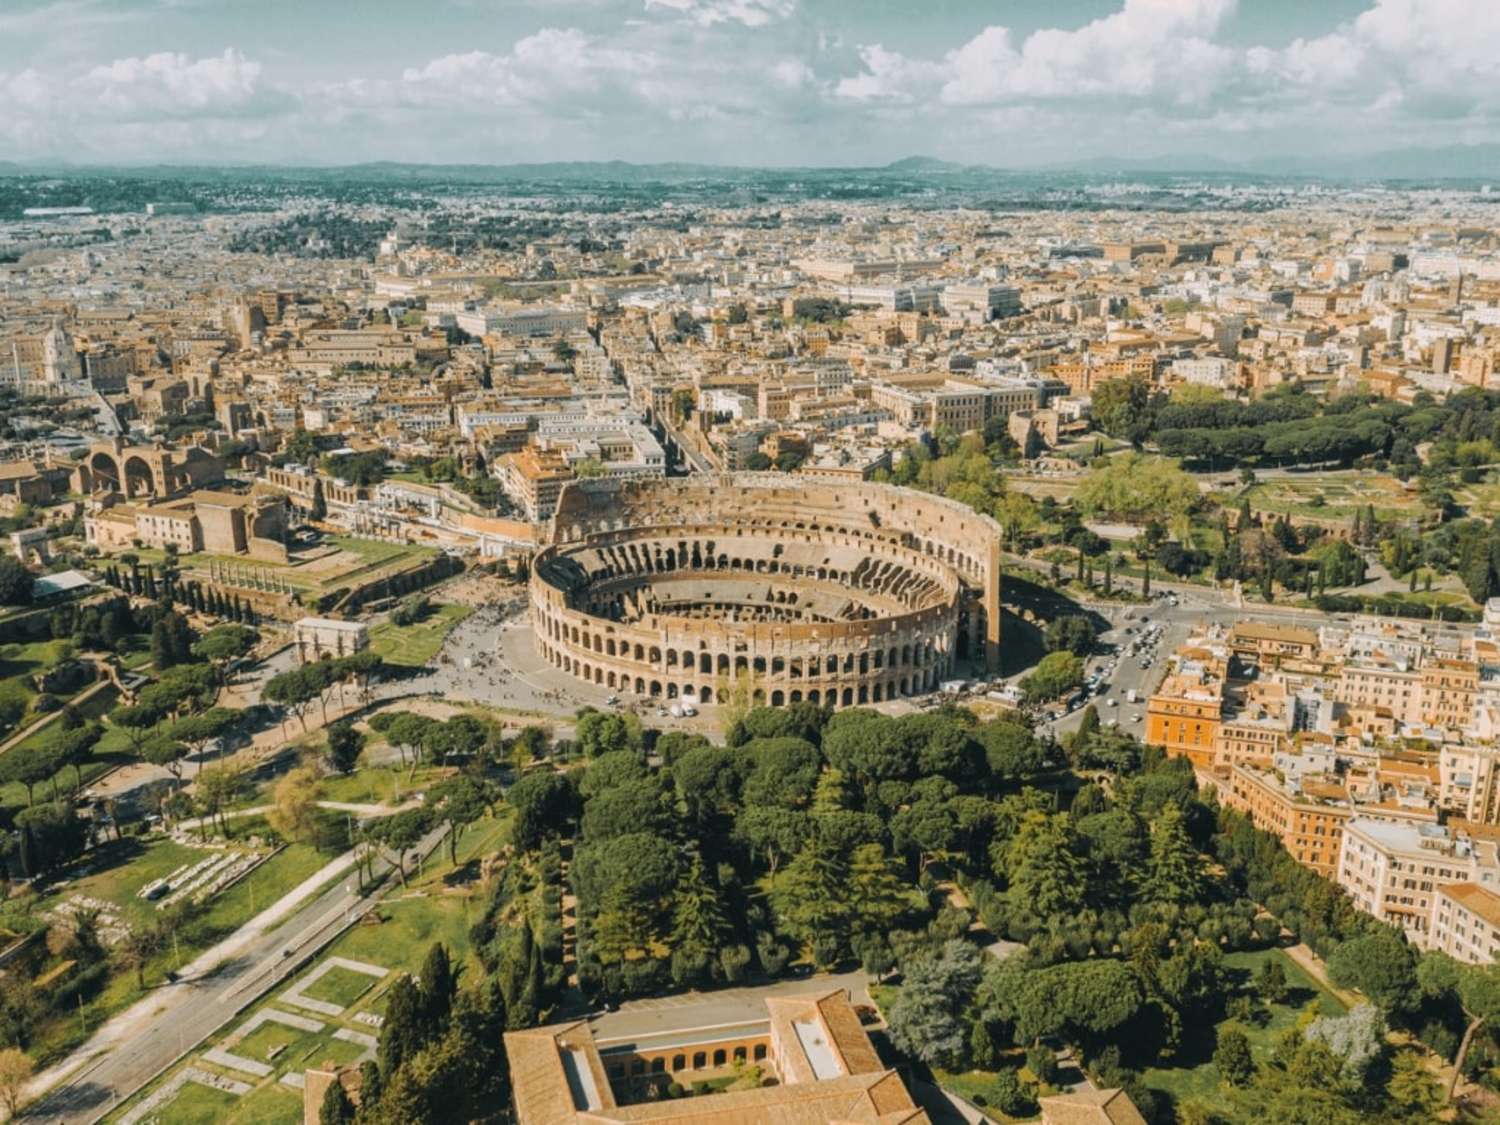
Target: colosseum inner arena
[794,588]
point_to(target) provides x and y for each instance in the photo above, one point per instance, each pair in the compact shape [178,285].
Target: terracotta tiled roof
[1090,1107]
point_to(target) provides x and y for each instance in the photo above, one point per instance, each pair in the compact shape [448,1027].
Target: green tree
[1271,981]
[1382,966]
[927,1019]
[1122,407]
[223,644]
[699,922]
[1045,873]
[404,1031]
[397,834]
[1232,1057]
[1475,987]
[877,896]
[1174,868]
[1072,632]
[437,986]
[810,898]
[336,1108]
[16,582]
[1412,1091]
[1055,675]
[345,743]
[544,803]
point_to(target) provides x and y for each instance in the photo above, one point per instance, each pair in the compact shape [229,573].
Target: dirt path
[1310,963]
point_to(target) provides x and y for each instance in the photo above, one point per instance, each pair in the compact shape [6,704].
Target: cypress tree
[404,1032]
[336,1109]
[1174,869]
[437,987]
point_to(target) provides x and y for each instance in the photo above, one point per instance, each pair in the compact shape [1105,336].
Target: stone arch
[105,471]
[137,477]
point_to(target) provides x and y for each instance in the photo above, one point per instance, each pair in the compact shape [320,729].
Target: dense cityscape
[575,641]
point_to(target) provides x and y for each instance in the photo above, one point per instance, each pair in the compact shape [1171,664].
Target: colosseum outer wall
[914,568]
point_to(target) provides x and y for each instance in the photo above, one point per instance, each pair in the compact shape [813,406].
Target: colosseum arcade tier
[805,589]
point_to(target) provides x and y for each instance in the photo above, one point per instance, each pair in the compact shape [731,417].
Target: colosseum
[831,591]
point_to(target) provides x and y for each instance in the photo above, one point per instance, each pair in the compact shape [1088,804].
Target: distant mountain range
[1449,162]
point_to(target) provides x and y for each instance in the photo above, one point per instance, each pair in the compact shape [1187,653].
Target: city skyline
[742,82]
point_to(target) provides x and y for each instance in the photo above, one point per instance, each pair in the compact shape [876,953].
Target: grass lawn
[414,645]
[196,1103]
[380,785]
[977,1087]
[407,928]
[375,550]
[94,707]
[269,1104]
[1335,495]
[18,663]
[1197,1078]
[340,986]
[267,1038]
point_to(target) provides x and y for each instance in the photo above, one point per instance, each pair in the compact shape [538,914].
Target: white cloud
[174,85]
[1148,49]
[1426,57]
[707,13]
[888,76]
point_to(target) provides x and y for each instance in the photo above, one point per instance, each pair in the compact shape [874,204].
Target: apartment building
[1465,922]
[1393,871]
[1383,684]
[1308,815]
[1184,714]
[1449,689]
[1267,646]
[533,478]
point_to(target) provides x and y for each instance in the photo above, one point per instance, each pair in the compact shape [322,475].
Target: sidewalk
[1311,964]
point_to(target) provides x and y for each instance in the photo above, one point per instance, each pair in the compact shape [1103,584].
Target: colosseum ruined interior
[832,591]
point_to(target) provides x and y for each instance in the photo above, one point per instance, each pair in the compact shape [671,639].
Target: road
[1196,610]
[121,1059]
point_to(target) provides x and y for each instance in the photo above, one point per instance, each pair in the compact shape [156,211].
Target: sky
[1011,83]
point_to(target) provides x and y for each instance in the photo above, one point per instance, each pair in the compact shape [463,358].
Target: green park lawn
[1335,495]
[375,550]
[407,927]
[1197,1078]
[18,663]
[196,1104]
[269,1104]
[340,986]
[378,785]
[414,645]
[271,1042]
